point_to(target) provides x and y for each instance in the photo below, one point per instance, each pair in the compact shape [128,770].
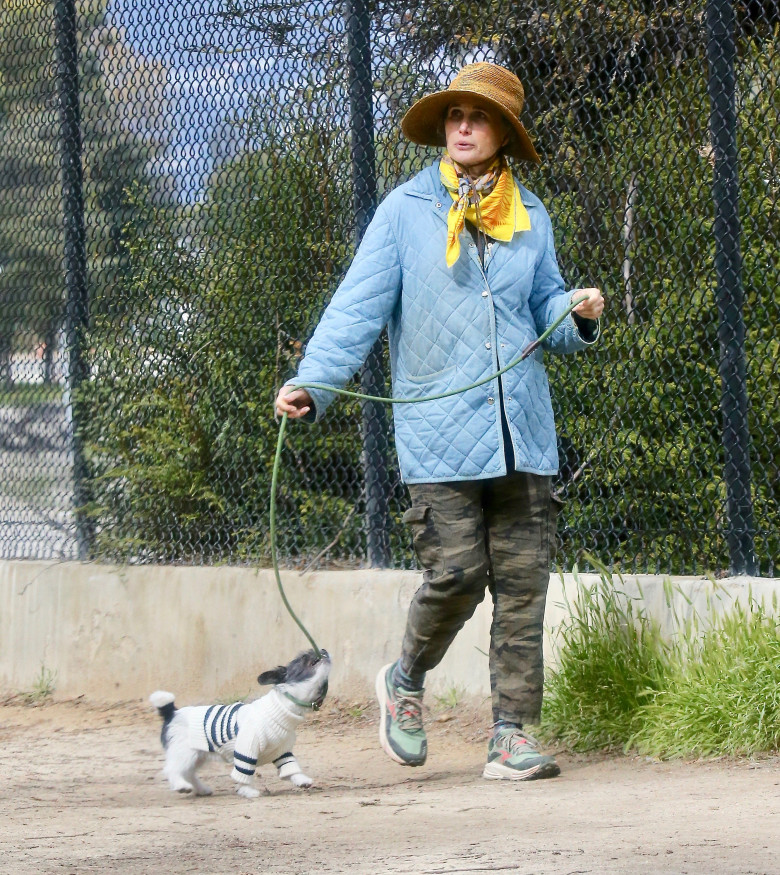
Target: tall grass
[612,657]
[723,697]
[710,688]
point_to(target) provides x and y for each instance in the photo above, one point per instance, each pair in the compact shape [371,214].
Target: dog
[249,735]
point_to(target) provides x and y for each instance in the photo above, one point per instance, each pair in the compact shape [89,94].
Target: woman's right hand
[294,402]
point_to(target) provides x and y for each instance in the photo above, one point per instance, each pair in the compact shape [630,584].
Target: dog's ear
[276,675]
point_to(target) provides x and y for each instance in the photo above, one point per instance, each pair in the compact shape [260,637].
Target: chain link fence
[182,186]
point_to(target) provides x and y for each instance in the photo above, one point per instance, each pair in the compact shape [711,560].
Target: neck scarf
[491,202]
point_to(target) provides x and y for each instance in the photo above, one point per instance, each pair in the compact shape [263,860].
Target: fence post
[721,53]
[75,253]
[372,382]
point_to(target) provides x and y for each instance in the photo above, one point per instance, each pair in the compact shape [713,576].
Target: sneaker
[401,730]
[514,756]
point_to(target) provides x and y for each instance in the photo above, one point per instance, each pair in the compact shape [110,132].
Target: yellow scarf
[491,202]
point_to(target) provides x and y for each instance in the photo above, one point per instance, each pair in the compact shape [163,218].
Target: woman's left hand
[593,307]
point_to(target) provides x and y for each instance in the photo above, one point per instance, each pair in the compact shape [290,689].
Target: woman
[459,264]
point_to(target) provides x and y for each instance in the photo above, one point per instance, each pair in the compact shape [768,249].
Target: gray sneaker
[401,732]
[514,756]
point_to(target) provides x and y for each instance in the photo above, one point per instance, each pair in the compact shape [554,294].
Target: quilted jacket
[449,327]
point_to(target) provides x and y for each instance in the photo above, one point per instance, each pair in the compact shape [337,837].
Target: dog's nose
[324,654]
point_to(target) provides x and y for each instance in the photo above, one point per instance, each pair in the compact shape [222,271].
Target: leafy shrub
[186,363]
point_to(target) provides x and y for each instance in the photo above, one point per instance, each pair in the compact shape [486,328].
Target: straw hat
[495,85]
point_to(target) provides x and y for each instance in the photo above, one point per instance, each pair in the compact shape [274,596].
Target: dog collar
[313,706]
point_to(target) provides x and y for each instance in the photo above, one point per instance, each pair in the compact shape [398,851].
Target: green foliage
[710,688]
[642,416]
[357,710]
[114,155]
[29,394]
[187,362]
[30,233]
[450,698]
[623,131]
[218,299]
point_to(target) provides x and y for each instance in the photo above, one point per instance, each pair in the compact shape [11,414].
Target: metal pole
[374,416]
[721,53]
[75,255]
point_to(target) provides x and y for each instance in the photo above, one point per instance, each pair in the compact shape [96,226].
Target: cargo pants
[471,536]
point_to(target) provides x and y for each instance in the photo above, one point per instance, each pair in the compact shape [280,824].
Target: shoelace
[518,741]
[408,712]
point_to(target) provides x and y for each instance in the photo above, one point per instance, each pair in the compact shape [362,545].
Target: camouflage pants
[477,535]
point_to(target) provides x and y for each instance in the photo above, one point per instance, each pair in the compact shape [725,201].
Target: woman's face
[474,133]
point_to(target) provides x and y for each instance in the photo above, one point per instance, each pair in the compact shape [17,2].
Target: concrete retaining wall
[117,633]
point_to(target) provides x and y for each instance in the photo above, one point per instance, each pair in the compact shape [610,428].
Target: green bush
[643,413]
[186,362]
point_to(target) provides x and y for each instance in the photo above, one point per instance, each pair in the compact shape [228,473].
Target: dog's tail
[163,702]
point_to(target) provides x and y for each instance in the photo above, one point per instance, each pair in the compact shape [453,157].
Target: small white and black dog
[249,735]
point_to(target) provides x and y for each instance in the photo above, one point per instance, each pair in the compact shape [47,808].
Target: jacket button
[438,205]
[484,294]
[491,400]
[487,345]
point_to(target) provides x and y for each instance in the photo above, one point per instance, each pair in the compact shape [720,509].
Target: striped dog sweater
[251,734]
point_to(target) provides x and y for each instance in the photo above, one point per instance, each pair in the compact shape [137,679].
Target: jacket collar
[428,185]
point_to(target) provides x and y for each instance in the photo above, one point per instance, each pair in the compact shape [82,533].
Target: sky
[214,69]
[217,69]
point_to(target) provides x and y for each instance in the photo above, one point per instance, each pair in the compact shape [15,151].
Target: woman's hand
[593,307]
[294,402]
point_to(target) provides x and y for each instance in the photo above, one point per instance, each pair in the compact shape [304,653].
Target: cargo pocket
[425,538]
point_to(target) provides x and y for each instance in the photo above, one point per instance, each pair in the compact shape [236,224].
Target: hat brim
[423,123]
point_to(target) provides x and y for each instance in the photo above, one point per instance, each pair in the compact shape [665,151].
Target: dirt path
[82,792]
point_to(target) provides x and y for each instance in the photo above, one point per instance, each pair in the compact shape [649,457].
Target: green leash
[349,394]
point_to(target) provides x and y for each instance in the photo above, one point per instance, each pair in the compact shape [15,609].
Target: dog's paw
[301,780]
[202,789]
[247,792]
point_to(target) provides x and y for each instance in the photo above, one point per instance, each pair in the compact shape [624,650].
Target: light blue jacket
[449,327]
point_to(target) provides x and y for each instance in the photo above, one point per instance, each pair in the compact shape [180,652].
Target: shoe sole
[381,694]
[497,772]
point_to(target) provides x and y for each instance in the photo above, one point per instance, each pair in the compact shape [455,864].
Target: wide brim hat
[495,85]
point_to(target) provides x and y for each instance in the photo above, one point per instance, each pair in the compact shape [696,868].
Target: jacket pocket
[429,378]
